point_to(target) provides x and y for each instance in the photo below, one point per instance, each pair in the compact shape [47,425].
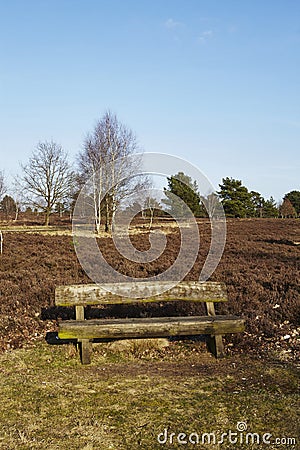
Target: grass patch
[123,400]
[42,229]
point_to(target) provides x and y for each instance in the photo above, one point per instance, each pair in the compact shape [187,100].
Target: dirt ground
[260,267]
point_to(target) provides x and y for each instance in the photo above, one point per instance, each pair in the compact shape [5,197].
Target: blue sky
[214,82]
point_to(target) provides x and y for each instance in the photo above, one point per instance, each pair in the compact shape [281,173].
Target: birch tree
[108,162]
[47,177]
[151,206]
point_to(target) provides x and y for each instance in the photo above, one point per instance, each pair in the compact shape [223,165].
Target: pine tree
[270,208]
[182,192]
[258,203]
[236,199]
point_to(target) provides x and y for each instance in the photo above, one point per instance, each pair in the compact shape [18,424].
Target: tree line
[107,166]
[236,199]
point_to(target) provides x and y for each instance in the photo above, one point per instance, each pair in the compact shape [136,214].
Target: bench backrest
[93,294]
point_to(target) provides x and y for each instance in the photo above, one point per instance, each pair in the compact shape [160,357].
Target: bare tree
[2,184]
[286,209]
[47,178]
[151,206]
[211,203]
[19,197]
[108,162]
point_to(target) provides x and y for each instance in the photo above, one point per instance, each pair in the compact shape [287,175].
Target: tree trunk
[47,217]
[107,221]
[16,214]
[98,226]
[113,211]
[151,217]
[112,223]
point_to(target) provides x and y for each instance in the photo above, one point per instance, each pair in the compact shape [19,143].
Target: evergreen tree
[270,208]
[258,203]
[294,198]
[181,186]
[236,199]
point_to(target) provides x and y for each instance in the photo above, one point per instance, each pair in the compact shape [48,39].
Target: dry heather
[260,267]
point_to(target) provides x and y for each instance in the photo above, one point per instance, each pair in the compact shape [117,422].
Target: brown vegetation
[259,266]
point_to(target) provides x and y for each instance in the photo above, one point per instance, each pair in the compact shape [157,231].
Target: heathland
[133,392]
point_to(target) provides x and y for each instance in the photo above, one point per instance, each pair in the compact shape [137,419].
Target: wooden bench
[85,331]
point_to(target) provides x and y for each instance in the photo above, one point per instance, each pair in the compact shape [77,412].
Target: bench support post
[215,345]
[84,345]
[214,342]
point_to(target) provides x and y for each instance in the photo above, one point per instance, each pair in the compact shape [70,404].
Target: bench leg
[85,347]
[215,345]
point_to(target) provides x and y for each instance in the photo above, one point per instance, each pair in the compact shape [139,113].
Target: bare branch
[108,161]
[47,178]
[2,184]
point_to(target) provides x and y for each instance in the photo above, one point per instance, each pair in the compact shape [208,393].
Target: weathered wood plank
[149,327]
[141,292]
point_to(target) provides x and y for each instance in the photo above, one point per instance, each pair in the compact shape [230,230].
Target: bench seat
[149,327]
